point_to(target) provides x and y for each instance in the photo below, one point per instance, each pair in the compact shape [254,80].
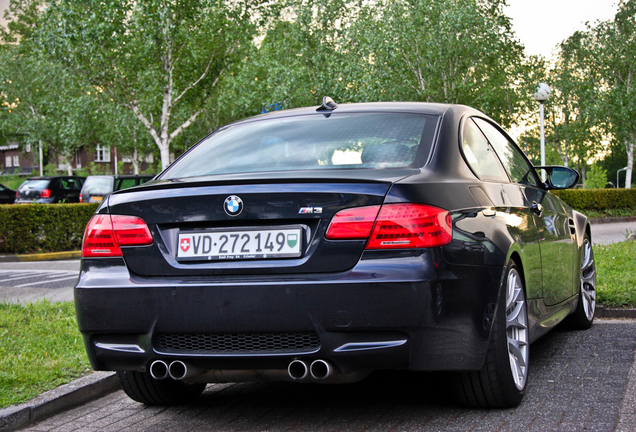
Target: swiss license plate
[263,243]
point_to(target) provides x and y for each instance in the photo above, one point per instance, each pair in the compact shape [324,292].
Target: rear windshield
[35,184]
[98,186]
[365,140]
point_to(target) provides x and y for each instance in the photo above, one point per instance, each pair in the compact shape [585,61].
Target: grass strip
[616,274]
[40,349]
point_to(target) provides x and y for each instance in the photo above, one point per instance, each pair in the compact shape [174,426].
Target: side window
[480,156]
[518,168]
[125,183]
[73,184]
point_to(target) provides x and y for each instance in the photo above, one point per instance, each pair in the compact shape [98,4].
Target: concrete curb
[613,219]
[60,399]
[603,312]
[51,256]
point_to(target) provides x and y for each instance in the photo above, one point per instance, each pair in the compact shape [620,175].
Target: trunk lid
[285,202]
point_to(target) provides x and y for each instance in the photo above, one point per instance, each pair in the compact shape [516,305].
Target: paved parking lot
[579,381]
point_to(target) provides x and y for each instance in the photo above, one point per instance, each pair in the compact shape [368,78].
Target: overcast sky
[541,24]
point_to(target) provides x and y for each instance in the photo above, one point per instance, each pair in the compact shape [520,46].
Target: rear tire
[583,315]
[501,382]
[141,387]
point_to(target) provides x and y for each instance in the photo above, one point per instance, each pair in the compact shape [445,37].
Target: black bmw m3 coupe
[321,244]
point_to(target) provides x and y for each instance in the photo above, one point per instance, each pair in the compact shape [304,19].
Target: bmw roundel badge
[233,205]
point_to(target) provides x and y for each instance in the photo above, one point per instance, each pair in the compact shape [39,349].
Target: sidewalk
[50,256]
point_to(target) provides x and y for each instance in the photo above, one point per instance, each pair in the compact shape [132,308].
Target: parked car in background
[7,196]
[96,187]
[320,244]
[50,189]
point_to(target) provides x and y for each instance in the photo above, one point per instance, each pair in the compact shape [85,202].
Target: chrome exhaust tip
[159,370]
[321,369]
[178,370]
[297,370]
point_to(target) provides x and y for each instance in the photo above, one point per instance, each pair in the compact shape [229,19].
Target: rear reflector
[352,223]
[395,226]
[105,233]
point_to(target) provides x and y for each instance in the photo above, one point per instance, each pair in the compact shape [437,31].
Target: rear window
[371,140]
[35,184]
[98,186]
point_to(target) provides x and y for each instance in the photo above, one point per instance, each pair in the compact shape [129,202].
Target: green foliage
[50,169]
[596,178]
[598,199]
[12,181]
[94,169]
[448,51]
[159,60]
[40,349]
[616,273]
[31,228]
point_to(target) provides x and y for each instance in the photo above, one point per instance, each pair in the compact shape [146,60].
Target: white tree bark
[630,164]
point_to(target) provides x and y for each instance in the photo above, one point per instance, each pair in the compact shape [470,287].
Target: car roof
[53,177]
[122,176]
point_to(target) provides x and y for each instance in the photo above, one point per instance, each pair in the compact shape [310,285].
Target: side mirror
[559,177]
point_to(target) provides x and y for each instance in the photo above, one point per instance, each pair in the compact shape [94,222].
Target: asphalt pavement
[30,281]
[605,233]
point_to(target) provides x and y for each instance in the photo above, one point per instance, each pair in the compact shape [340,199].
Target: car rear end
[35,190]
[95,188]
[300,267]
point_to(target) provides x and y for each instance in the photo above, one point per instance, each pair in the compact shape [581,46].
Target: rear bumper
[410,311]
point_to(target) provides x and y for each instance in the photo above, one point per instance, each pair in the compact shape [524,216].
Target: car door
[71,189]
[507,199]
[555,245]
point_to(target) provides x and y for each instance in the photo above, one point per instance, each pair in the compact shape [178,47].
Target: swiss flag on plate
[185,244]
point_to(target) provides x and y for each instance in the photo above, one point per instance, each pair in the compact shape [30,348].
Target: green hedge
[30,228]
[598,199]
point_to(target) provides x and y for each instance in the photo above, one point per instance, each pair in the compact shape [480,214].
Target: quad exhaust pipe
[297,370]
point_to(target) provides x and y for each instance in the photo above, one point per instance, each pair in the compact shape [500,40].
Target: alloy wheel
[517,329]
[588,280]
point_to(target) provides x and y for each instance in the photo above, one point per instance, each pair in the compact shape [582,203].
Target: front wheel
[502,380]
[141,387]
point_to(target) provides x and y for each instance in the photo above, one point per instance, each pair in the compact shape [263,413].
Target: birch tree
[162,59]
[616,60]
[451,51]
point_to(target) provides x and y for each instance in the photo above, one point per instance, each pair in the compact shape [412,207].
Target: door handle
[537,208]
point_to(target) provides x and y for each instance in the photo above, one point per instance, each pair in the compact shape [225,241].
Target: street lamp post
[542,94]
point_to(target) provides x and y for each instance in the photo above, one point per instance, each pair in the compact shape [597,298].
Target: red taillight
[411,226]
[353,223]
[46,193]
[394,226]
[131,231]
[105,233]
[81,199]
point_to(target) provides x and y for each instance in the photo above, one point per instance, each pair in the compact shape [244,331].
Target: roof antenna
[327,104]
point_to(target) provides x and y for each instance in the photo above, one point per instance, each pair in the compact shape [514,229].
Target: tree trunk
[630,164]
[135,162]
